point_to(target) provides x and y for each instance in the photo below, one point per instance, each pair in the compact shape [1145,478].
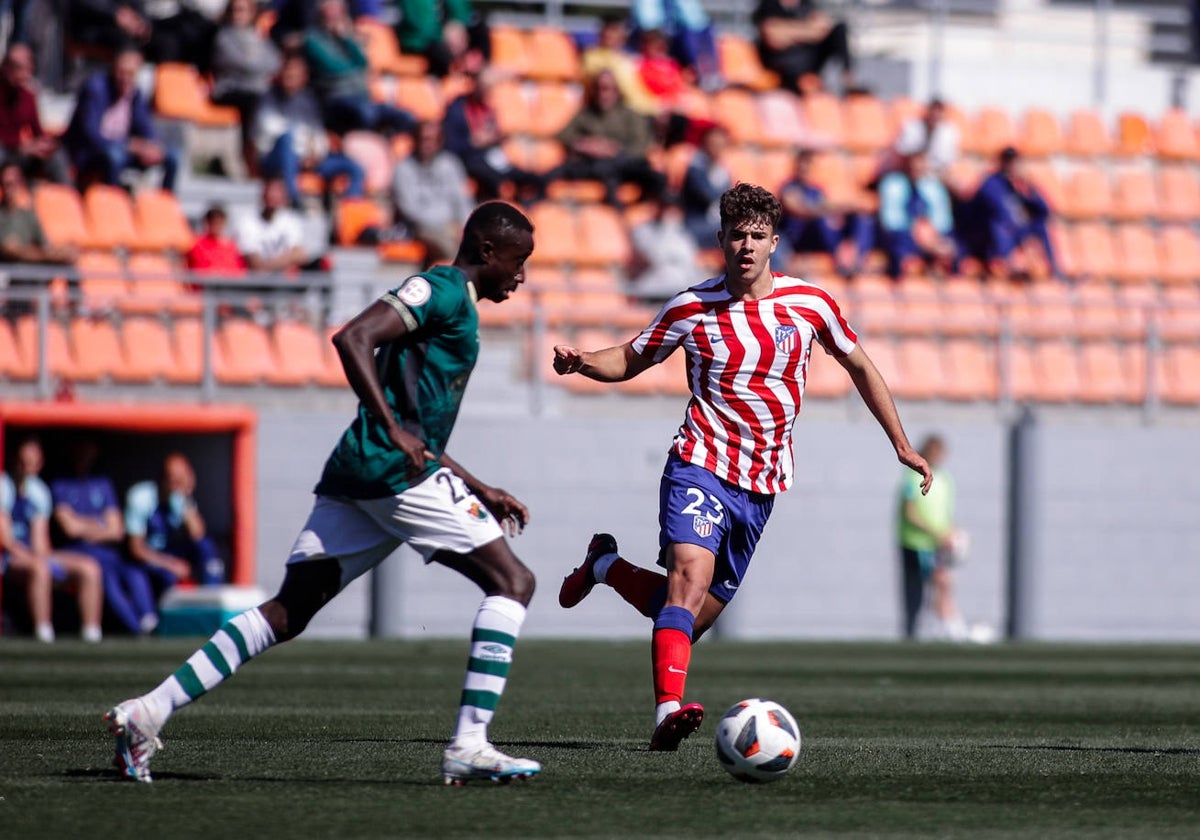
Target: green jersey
[424,375]
[935,509]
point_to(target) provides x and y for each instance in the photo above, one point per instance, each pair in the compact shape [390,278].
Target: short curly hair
[749,203]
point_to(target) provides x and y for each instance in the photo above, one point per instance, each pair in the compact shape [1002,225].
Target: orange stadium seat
[603,239]
[1137,305]
[354,215]
[873,302]
[899,111]
[678,159]
[1087,195]
[557,58]
[1086,135]
[1179,193]
[1179,316]
[740,64]
[830,172]
[332,374]
[1106,377]
[970,368]
[146,348]
[383,50]
[743,164]
[60,211]
[883,353]
[1137,254]
[554,106]
[422,96]
[1057,368]
[13,363]
[300,359]
[921,360]
[963,176]
[1093,245]
[510,50]
[180,94]
[919,307]
[738,112]
[242,353]
[161,224]
[1174,137]
[187,339]
[58,352]
[102,281]
[823,116]
[775,167]
[825,378]
[1182,369]
[557,234]
[154,285]
[1045,177]
[96,348]
[781,122]
[545,155]
[110,217]
[1180,253]
[513,112]
[1098,312]
[695,104]
[1043,310]
[370,151]
[968,309]
[1040,135]
[1134,137]
[991,131]
[866,124]
[1135,196]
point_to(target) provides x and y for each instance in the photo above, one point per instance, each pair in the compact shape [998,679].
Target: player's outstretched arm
[613,364]
[355,342]
[874,391]
[512,515]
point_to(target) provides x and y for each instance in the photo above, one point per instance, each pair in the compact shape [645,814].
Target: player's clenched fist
[567,359]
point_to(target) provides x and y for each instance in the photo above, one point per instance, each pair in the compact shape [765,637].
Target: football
[758,741]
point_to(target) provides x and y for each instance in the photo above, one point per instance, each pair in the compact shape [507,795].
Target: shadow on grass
[1070,748]
[541,745]
[108,775]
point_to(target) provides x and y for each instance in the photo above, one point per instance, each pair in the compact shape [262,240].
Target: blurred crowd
[111,560]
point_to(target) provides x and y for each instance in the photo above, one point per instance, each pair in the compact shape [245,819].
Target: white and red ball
[758,741]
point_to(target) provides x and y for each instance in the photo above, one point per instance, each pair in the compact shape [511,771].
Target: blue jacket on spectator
[95,97]
[1000,217]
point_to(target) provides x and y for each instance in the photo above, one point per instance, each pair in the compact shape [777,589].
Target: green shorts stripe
[480,699]
[482,635]
[488,666]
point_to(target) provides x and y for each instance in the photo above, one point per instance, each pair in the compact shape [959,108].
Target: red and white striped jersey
[746,363]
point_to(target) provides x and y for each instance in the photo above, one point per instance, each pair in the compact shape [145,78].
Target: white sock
[600,567]
[91,634]
[497,625]
[663,709]
[44,632]
[241,638]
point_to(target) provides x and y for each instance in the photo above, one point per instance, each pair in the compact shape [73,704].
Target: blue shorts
[698,508]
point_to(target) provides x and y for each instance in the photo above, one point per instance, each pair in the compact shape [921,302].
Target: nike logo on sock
[673,670]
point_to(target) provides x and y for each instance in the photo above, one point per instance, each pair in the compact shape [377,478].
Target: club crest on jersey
[785,339]
[702,525]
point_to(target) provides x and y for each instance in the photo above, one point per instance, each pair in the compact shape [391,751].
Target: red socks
[672,652]
[642,589]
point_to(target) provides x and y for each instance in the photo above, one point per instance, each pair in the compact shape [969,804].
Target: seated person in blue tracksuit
[916,222]
[87,514]
[166,531]
[1006,212]
[811,225]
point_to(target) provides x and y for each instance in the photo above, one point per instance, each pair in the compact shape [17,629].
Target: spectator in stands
[291,137]
[933,134]
[86,512]
[796,38]
[243,63]
[608,142]
[689,31]
[273,238]
[178,32]
[22,239]
[213,252]
[1006,214]
[706,181]
[664,253]
[811,224]
[611,54]
[23,140]
[108,23]
[112,130]
[472,132]
[338,67]
[25,553]
[431,193]
[166,531]
[916,223]
[660,73]
[452,35]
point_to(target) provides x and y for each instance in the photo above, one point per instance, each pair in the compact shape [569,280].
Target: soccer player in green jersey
[389,481]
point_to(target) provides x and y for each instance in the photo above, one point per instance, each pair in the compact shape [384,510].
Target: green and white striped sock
[497,625]
[242,637]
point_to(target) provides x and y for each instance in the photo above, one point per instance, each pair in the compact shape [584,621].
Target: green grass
[343,740]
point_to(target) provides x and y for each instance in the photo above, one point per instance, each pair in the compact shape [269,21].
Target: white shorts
[439,514]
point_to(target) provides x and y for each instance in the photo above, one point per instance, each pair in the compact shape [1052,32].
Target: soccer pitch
[334,739]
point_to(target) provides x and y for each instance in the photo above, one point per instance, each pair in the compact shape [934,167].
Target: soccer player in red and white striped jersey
[747,336]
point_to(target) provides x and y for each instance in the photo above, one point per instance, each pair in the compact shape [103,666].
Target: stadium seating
[161,224]
[146,348]
[109,215]
[181,94]
[740,64]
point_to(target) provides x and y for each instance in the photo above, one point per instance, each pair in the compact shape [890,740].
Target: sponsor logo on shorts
[702,525]
[477,510]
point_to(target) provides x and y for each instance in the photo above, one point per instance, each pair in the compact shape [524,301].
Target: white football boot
[465,764]
[136,732]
